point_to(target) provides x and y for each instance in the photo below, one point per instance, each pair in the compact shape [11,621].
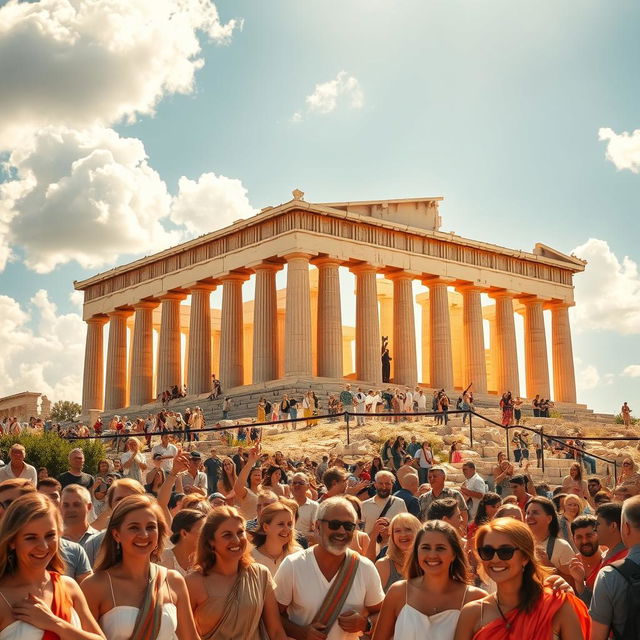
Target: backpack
[630,571]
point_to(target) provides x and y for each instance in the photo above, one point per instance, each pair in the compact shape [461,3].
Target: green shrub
[51,451]
[619,419]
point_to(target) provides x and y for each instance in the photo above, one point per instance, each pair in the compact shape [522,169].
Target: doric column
[564,377]
[329,348]
[535,349]
[425,327]
[368,362]
[297,322]
[441,359]
[266,350]
[231,324]
[93,378]
[141,385]
[404,330]
[199,340]
[116,380]
[475,366]
[507,377]
[169,351]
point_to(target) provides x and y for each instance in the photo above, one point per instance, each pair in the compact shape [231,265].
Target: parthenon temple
[155,340]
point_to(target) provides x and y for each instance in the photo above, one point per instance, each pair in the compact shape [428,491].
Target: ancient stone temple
[298,333]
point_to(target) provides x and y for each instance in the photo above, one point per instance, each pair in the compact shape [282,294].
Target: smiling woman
[33,593]
[152,601]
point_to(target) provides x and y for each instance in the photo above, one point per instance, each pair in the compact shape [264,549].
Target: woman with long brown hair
[228,478]
[36,600]
[427,604]
[230,594]
[522,606]
[152,602]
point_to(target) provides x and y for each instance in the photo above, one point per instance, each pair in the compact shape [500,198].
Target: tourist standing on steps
[226,407]
[506,404]
[625,411]
[346,398]
[386,366]
[358,402]
[535,403]
[517,409]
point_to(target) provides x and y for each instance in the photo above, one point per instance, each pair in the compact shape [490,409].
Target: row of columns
[297,349]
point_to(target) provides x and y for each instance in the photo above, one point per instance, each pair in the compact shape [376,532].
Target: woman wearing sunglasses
[427,604]
[522,607]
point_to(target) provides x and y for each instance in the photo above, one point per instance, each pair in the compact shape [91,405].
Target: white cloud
[211,202]
[87,196]
[632,371]
[608,292]
[83,63]
[587,376]
[48,357]
[327,96]
[622,149]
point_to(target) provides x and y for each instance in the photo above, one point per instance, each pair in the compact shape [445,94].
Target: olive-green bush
[51,451]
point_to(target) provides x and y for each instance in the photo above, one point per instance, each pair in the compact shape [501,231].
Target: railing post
[346,416]
[615,473]
[470,428]
[542,446]
[506,430]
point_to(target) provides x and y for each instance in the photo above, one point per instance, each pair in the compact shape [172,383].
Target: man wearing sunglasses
[304,580]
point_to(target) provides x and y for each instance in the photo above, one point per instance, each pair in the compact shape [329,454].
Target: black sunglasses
[334,525]
[504,553]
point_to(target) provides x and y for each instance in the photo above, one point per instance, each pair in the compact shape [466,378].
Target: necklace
[507,624]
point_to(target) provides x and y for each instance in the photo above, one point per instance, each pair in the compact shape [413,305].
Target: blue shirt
[413,504]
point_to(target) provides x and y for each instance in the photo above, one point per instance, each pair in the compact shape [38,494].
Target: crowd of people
[173,543]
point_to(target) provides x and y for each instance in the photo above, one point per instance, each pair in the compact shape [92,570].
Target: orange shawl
[61,605]
[538,623]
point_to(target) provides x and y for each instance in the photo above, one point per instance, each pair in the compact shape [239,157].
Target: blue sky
[497,106]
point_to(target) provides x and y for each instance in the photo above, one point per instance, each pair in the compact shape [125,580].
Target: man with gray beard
[307,582]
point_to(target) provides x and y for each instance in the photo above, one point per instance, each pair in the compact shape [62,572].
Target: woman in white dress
[132,597]
[34,595]
[427,605]
[185,529]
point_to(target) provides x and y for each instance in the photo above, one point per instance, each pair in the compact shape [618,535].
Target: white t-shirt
[562,552]
[421,399]
[306,516]
[200,481]
[301,587]
[372,508]
[28,473]
[474,483]
[169,450]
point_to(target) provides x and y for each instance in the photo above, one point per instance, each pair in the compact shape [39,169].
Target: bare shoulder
[95,583]
[474,594]
[71,586]
[383,562]
[397,592]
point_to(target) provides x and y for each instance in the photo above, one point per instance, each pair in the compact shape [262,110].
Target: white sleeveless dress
[412,624]
[119,622]
[19,630]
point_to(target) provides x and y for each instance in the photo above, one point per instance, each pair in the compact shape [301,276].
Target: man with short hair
[518,486]
[593,485]
[413,446]
[437,476]
[75,475]
[447,510]
[303,579]
[359,399]
[51,488]
[194,480]
[213,466]
[307,508]
[609,608]
[322,467]
[382,504]
[17,467]
[335,480]
[75,507]
[585,565]
[167,451]
[473,487]
[409,488]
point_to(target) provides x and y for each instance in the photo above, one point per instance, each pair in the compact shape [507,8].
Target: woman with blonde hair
[427,604]
[402,534]
[274,539]
[522,606]
[629,477]
[36,599]
[152,602]
[573,506]
[133,461]
[230,594]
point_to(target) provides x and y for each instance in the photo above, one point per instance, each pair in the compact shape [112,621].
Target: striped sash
[338,592]
[149,616]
